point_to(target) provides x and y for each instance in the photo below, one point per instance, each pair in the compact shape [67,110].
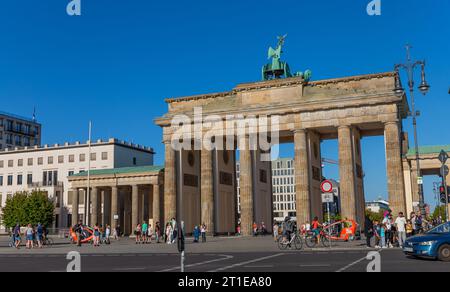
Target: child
[196,234]
[383,235]
[376,231]
[409,228]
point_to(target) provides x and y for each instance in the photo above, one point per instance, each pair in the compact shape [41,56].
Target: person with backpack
[368,231]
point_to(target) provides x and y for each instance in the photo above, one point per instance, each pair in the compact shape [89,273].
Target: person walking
[149,233]
[169,233]
[275,232]
[107,234]
[144,232]
[97,234]
[196,234]
[29,233]
[17,238]
[368,231]
[400,224]
[157,232]
[255,229]
[117,233]
[203,233]
[39,235]
[137,233]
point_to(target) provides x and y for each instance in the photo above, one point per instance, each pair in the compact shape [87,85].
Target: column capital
[392,123]
[344,126]
[301,130]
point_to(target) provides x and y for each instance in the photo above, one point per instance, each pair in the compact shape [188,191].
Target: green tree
[375,216]
[439,211]
[25,208]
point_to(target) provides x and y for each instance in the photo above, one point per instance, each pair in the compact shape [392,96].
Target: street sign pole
[443,156]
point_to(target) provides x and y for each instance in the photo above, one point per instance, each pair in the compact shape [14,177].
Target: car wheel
[444,253]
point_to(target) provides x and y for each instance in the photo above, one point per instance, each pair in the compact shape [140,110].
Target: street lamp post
[410,67]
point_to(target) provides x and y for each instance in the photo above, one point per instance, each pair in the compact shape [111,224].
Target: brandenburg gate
[201,183]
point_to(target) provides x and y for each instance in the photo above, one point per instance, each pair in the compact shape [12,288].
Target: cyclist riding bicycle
[315,227]
[288,228]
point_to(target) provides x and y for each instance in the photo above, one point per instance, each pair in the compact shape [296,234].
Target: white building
[378,205]
[17,131]
[283,188]
[47,168]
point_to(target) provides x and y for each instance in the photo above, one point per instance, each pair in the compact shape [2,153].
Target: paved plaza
[220,254]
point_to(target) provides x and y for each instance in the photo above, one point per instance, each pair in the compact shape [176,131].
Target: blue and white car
[433,244]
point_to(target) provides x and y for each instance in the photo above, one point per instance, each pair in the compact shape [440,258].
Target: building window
[10,180]
[1,163]
[30,161]
[29,179]
[18,141]
[134,161]
[71,158]
[104,155]
[26,141]
[19,180]
[40,161]
[50,160]
[10,163]
[93,156]
[20,162]
[60,159]
[71,173]
[1,180]
[82,157]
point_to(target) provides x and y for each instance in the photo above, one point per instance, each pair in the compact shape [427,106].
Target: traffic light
[442,194]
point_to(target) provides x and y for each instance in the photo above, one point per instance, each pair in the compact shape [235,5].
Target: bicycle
[45,242]
[311,239]
[296,240]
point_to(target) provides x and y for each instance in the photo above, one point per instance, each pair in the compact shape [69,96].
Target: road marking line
[315,266]
[354,263]
[130,269]
[247,262]
[259,267]
[226,257]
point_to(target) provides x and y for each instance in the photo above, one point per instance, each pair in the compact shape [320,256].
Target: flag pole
[88,201]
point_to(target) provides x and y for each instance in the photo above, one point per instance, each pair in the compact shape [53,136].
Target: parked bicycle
[296,242]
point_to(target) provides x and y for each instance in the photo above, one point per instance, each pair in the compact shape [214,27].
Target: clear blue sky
[116,63]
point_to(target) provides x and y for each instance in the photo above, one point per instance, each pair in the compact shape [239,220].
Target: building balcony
[36,185]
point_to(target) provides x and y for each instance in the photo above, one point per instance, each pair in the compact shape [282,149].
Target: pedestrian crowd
[34,236]
[390,232]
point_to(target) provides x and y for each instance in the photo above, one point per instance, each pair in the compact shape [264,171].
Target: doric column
[114,206]
[301,165]
[346,173]
[246,187]
[156,204]
[134,206]
[75,206]
[396,187]
[95,206]
[170,195]
[207,193]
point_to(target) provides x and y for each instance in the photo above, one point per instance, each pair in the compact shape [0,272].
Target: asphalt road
[304,261]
